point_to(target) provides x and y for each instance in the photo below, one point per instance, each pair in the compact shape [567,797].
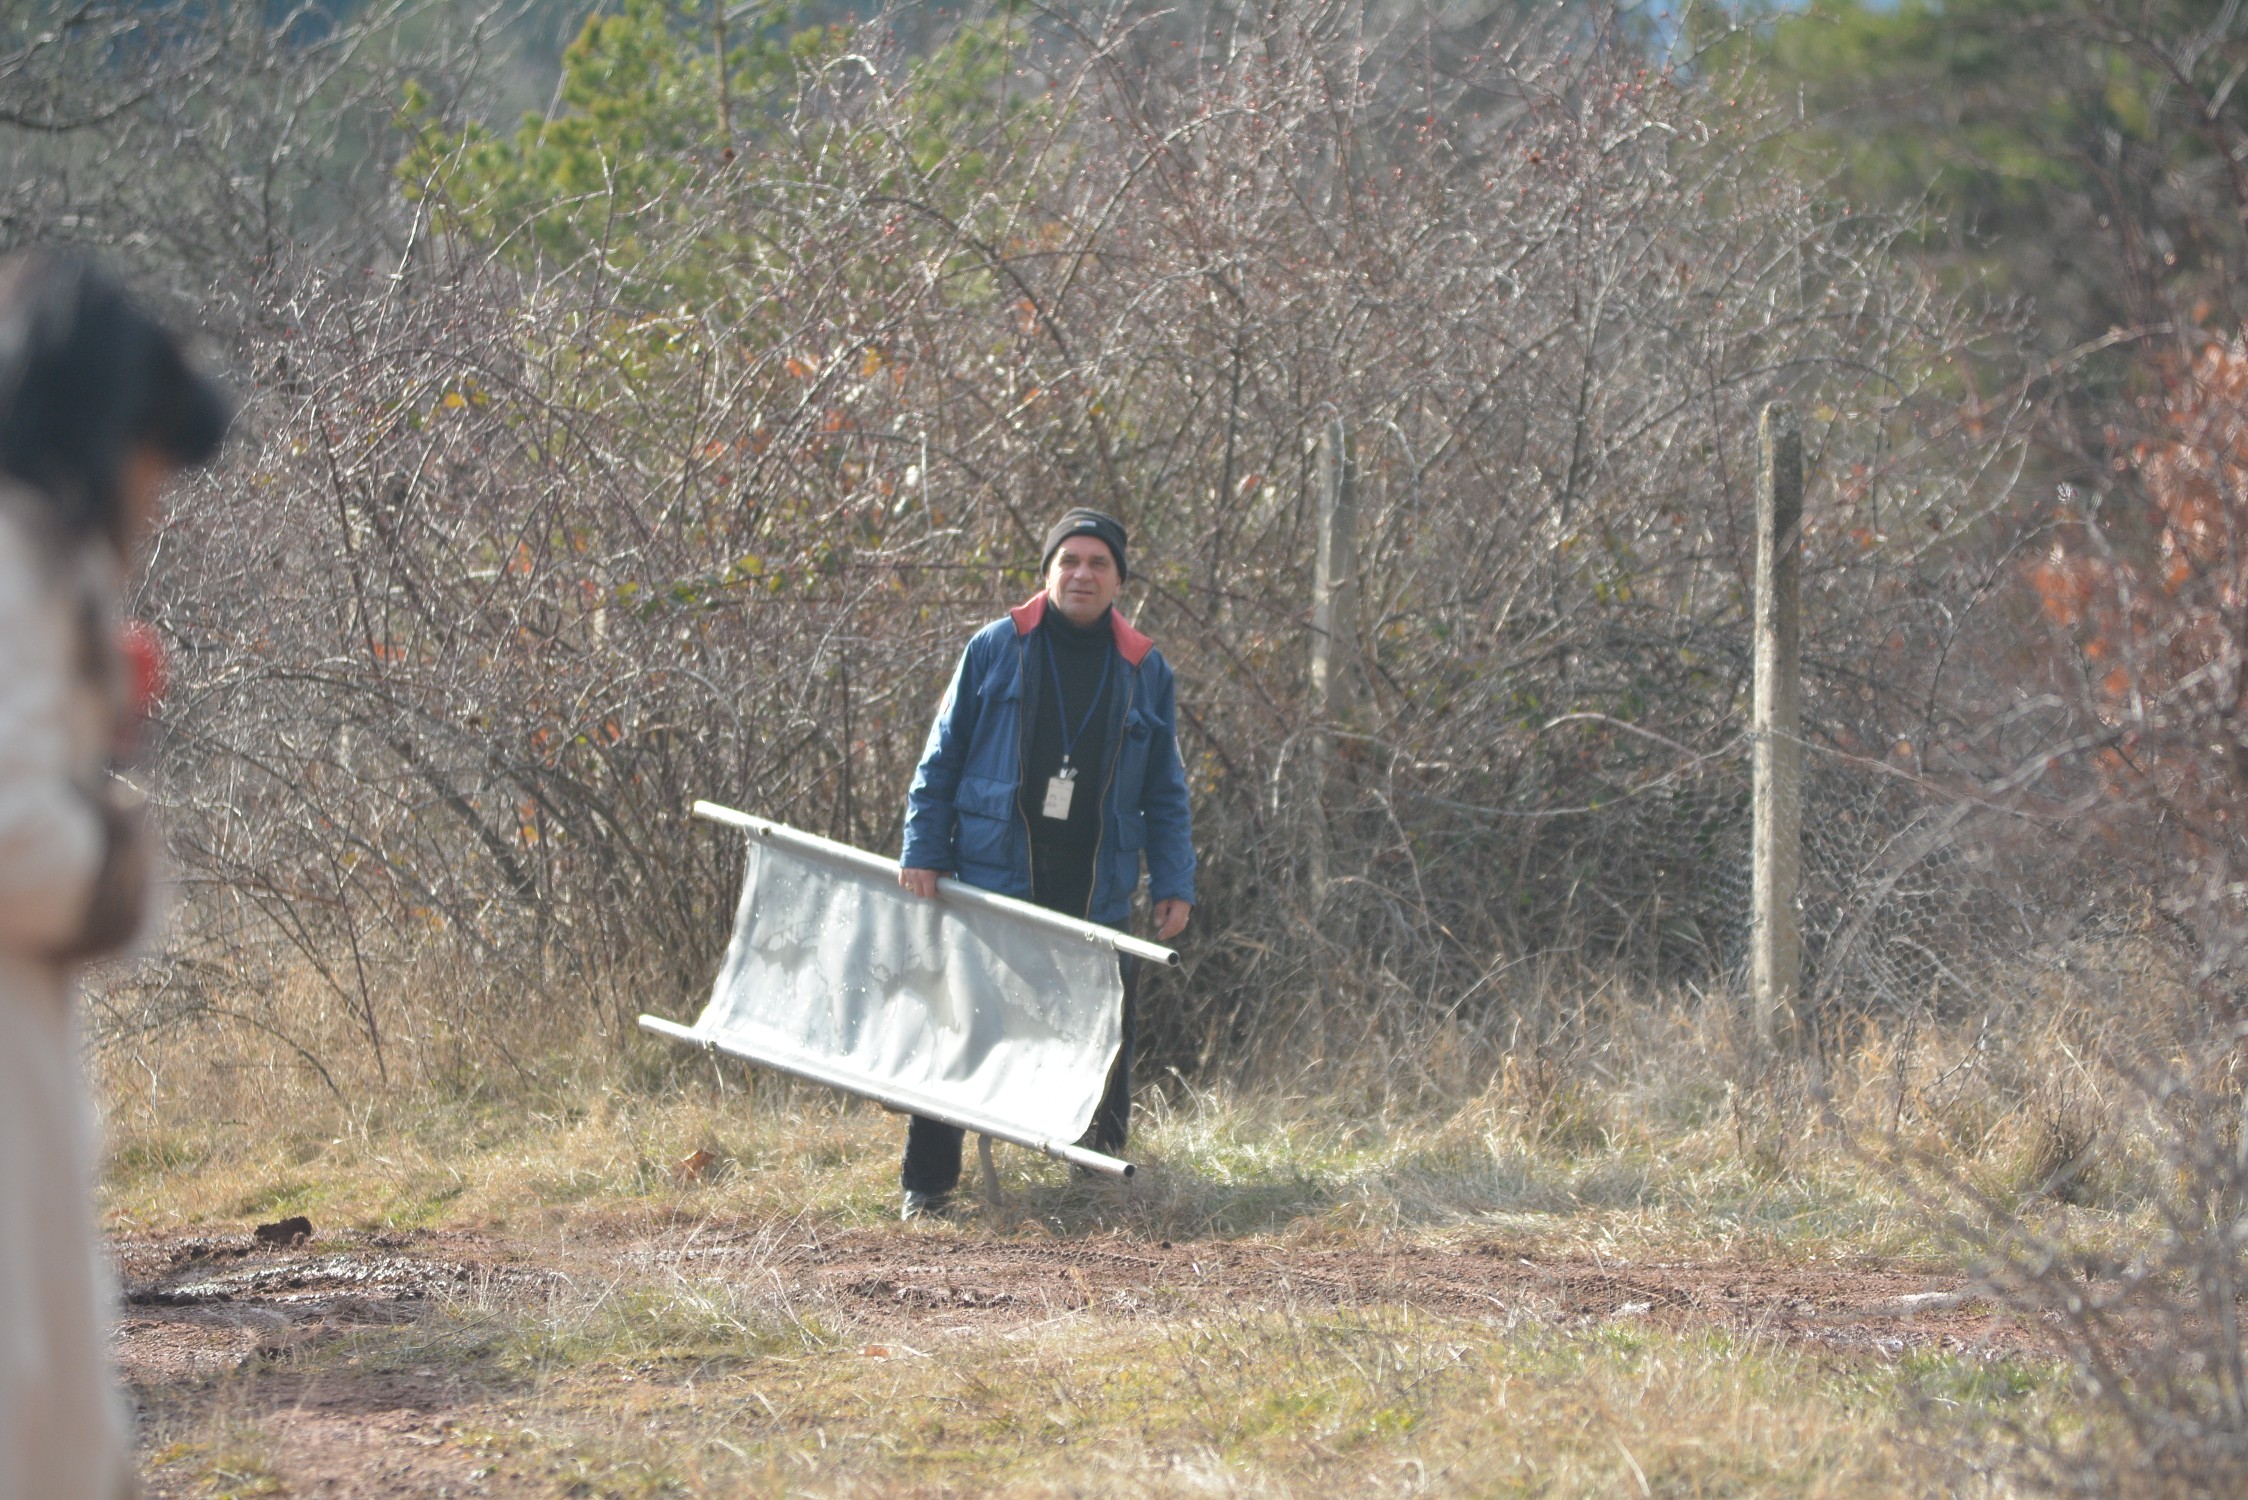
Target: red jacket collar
[1130,644]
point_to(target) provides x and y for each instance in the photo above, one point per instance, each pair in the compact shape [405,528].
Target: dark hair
[87,378]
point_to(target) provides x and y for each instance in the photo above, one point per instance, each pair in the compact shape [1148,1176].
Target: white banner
[972,1009]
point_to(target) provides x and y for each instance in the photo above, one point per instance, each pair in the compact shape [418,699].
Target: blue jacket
[962,815]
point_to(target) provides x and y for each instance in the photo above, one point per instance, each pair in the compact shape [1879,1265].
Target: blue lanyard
[1061,705]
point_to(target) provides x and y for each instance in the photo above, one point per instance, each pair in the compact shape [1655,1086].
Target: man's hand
[1170,919]
[922,883]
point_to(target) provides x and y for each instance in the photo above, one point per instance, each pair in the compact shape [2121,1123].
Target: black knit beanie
[1078,521]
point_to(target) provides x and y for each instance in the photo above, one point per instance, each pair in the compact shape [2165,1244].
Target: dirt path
[199,1309]
[196,1304]
[960,1278]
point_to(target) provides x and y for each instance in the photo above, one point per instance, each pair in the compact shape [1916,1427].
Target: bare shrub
[2108,1207]
[209,148]
[690,482]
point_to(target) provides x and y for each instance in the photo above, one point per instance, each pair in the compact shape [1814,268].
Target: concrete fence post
[1776,938]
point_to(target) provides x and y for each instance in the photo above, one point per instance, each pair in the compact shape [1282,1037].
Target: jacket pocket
[1131,759]
[1001,686]
[986,809]
[1131,830]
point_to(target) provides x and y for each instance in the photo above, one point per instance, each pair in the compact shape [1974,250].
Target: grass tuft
[628,1373]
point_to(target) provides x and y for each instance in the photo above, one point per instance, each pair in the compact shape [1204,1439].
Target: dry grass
[579,1146]
[635,1380]
[1640,1129]
[678,1389]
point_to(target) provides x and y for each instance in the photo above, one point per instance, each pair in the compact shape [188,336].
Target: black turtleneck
[1061,852]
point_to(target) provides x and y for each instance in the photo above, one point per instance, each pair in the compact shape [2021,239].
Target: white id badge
[1059,789]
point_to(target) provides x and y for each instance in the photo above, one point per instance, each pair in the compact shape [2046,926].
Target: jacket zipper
[1115,754]
[1022,760]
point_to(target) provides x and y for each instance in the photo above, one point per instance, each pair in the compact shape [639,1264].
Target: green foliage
[963,84]
[2066,150]
[678,131]
[1976,136]
[643,97]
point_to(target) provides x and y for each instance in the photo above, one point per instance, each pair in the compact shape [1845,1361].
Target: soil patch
[198,1306]
[195,1306]
[198,1309]
[965,1277]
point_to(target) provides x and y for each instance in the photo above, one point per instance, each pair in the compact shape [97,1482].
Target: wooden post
[1776,939]
[1334,627]
[1334,589]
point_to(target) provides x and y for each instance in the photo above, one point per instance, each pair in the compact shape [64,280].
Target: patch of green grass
[1954,1381]
[151,1155]
[699,1326]
[287,1196]
[1268,1402]
[231,1461]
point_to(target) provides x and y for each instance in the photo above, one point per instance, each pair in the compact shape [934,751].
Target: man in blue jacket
[1052,770]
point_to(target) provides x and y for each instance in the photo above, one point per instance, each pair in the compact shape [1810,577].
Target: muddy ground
[197,1309]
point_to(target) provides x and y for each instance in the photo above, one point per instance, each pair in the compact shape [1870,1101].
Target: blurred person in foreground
[98,408]
[1052,769]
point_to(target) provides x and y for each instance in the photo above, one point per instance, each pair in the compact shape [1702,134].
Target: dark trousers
[932,1148]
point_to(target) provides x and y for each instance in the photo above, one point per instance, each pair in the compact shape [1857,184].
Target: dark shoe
[920,1205]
